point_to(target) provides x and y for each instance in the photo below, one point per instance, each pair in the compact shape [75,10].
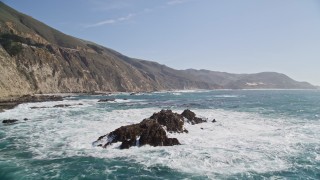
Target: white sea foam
[227,96]
[183,91]
[190,91]
[238,142]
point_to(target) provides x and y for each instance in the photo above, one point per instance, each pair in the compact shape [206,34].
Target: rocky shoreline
[151,131]
[15,101]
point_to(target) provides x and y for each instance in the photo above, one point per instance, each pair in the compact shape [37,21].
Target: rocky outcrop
[147,132]
[151,131]
[172,121]
[191,117]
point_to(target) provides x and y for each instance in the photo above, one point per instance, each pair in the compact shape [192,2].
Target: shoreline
[12,102]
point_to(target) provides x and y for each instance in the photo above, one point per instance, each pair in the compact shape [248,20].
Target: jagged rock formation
[35,58]
[191,117]
[151,131]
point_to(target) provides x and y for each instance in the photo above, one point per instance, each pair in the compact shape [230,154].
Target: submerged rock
[107,100]
[41,107]
[9,121]
[151,131]
[56,106]
[62,105]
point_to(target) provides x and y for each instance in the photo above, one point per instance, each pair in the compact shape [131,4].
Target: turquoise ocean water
[259,134]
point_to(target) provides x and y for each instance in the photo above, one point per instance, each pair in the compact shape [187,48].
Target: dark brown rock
[107,100]
[62,105]
[191,117]
[155,135]
[188,114]
[151,131]
[9,121]
[41,107]
[125,133]
[126,144]
[148,132]
[172,121]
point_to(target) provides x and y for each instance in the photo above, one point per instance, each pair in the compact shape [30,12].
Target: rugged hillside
[264,80]
[48,61]
[221,78]
[267,80]
[35,58]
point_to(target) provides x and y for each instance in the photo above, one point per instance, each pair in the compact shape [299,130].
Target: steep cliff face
[58,69]
[12,82]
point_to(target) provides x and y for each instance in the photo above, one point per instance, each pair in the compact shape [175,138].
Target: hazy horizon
[235,37]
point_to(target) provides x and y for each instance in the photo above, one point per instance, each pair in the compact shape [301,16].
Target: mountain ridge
[35,58]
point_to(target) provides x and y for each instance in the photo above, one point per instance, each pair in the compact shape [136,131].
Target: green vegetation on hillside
[25,23]
[13,43]
[96,48]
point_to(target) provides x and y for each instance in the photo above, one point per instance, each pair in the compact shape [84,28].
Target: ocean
[259,134]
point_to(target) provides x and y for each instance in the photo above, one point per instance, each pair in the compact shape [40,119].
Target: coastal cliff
[35,58]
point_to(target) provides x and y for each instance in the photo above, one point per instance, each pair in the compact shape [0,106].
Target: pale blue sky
[238,36]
